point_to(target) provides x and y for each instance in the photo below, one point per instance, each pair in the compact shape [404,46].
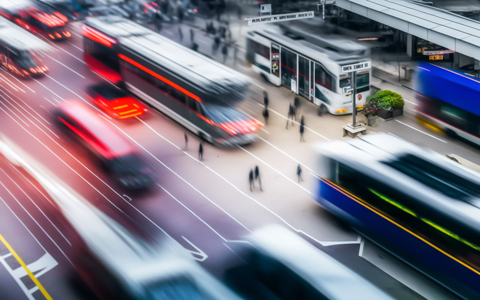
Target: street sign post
[280,18]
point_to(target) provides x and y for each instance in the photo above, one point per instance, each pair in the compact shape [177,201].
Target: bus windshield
[223,114]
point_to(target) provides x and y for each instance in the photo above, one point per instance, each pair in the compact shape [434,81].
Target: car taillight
[58,34]
[195,10]
[51,36]
[25,72]
[67,33]
[33,70]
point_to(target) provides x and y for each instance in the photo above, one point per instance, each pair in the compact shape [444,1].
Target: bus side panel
[399,241]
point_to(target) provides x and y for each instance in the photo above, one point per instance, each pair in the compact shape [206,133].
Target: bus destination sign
[280,18]
[357,67]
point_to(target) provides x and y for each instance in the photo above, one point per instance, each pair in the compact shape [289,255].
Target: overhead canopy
[435,25]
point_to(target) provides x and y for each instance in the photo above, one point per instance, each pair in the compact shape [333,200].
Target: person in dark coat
[296,104]
[250,179]
[200,152]
[235,52]
[265,98]
[291,113]
[192,35]
[186,141]
[299,173]
[225,53]
[257,177]
[158,21]
[266,115]
[180,33]
[302,129]
[195,46]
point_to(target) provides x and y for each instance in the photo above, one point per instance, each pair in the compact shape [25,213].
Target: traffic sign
[280,18]
[359,97]
[266,8]
[357,67]
[347,90]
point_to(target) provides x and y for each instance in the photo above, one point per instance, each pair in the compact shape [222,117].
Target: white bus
[278,57]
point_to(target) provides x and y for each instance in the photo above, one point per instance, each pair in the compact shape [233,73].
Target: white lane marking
[9,84]
[199,252]
[65,66]
[176,174]
[411,102]
[48,89]
[75,46]
[241,49]
[29,113]
[289,156]
[93,106]
[265,130]
[289,179]
[49,101]
[28,213]
[33,202]
[204,42]
[6,106]
[104,78]
[56,46]
[246,69]
[129,199]
[157,133]
[297,123]
[362,245]
[201,220]
[422,132]
[258,85]
[17,80]
[16,86]
[79,35]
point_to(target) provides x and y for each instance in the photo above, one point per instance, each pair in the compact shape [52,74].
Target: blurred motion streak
[417,204]
[110,259]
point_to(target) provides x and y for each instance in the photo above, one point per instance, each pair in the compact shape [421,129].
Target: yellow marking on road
[34,279]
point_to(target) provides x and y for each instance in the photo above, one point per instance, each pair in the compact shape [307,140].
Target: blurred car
[48,24]
[282,265]
[63,9]
[107,11]
[116,154]
[144,12]
[115,101]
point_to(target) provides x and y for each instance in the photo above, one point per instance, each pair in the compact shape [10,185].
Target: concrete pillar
[409,45]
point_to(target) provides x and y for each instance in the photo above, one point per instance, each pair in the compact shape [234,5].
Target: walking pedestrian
[216,44]
[180,33]
[266,115]
[224,52]
[200,152]
[195,46]
[296,104]
[302,129]
[158,21]
[186,141]
[192,35]
[299,173]
[235,52]
[257,177]
[250,179]
[265,98]
[291,113]
[239,12]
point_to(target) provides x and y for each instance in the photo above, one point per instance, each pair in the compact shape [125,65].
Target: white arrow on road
[198,254]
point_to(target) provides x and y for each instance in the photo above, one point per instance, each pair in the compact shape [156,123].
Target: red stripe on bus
[143,68]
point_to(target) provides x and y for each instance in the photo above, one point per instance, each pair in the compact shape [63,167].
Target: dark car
[117,156]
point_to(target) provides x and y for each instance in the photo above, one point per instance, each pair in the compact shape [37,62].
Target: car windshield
[128,165]
[180,288]
[27,59]
[109,92]
[55,29]
[224,114]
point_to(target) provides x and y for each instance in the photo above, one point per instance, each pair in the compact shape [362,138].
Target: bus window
[323,78]
[453,115]
[345,81]
[275,60]
[363,82]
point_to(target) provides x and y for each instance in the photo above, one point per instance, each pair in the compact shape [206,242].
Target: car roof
[114,144]
[15,37]
[108,91]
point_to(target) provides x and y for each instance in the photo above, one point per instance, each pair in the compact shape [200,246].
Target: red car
[115,101]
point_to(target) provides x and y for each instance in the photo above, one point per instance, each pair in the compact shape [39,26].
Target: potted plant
[370,109]
[390,104]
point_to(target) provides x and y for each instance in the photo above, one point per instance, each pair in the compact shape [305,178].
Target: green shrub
[387,100]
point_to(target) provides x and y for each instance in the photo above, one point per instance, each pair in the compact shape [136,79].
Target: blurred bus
[279,56]
[19,51]
[448,101]
[190,88]
[282,265]
[113,261]
[421,206]
[31,17]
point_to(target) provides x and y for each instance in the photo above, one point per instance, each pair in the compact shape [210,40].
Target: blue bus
[415,203]
[448,101]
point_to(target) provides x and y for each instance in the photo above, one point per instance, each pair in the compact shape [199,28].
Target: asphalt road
[206,206]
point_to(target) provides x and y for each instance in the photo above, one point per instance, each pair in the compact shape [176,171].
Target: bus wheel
[324,109]
[264,77]
[450,133]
